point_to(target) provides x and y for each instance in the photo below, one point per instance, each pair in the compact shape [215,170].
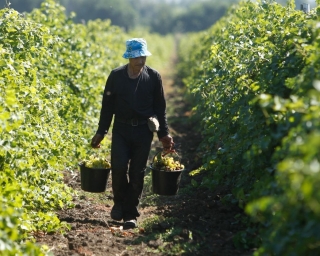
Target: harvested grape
[166,163]
[96,162]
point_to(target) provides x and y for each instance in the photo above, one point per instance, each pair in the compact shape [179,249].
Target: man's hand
[95,142]
[167,143]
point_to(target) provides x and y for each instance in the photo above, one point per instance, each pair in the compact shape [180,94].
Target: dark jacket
[138,98]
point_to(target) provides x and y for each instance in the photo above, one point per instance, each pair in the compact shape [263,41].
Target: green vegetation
[253,78]
[162,17]
[52,75]
[255,83]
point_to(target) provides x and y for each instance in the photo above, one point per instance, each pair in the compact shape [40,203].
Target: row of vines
[52,75]
[255,81]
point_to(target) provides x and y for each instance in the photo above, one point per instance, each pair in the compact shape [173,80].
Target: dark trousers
[129,155]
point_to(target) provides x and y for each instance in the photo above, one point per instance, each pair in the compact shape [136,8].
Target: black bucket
[165,183]
[94,180]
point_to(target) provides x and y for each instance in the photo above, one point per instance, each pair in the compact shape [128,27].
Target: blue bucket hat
[136,47]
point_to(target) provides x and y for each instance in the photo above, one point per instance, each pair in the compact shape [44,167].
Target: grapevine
[46,82]
[256,94]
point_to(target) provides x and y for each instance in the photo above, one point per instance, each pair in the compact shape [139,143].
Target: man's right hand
[95,141]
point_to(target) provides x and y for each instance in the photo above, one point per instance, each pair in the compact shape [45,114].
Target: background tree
[162,17]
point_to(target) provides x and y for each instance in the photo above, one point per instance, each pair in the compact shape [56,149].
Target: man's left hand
[167,143]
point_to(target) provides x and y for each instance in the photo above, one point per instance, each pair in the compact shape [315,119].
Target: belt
[132,121]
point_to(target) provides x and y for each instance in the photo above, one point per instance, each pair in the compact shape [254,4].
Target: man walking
[133,93]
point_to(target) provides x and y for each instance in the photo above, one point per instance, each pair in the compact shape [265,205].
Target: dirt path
[193,222]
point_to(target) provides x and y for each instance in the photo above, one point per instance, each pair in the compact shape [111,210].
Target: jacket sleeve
[107,108]
[160,107]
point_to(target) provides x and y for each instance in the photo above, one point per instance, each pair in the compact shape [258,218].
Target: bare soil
[193,222]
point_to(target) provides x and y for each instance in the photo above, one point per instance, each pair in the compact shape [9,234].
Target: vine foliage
[255,85]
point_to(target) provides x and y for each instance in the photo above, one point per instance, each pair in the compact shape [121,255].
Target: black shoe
[116,212]
[129,224]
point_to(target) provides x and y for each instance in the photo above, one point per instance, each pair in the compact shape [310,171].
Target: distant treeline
[162,17]
[158,16]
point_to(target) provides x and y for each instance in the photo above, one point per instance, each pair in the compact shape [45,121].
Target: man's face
[138,62]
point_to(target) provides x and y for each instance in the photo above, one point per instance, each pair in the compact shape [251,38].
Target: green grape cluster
[97,162]
[167,163]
